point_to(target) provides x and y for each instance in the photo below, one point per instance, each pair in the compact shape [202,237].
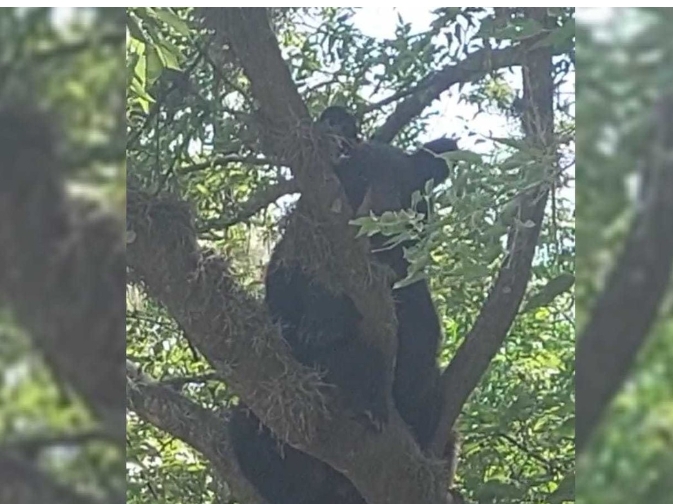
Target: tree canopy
[219,110]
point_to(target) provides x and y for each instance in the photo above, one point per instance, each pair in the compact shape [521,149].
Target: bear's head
[378,177]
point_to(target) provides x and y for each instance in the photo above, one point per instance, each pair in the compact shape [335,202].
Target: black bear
[377,179]
[321,326]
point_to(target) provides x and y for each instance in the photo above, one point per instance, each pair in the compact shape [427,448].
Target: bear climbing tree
[338,397]
[322,325]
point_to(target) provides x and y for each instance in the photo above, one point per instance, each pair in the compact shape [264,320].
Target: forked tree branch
[205,431]
[475,66]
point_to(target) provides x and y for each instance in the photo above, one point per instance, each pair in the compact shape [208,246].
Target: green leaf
[512,142]
[154,65]
[463,155]
[565,491]
[174,53]
[142,97]
[171,19]
[559,37]
[550,291]
[518,29]
[409,280]
[168,57]
[134,28]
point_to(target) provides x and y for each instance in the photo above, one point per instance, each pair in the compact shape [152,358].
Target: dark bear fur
[284,475]
[341,124]
[321,327]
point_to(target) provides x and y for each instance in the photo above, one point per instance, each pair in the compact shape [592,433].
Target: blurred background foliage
[68,62]
[625,60]
[191,133]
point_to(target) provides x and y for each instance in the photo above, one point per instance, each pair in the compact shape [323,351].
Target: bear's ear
[428,165]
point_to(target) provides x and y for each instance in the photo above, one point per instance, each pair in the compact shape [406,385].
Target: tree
[218,115]
[623,431]
[62,146]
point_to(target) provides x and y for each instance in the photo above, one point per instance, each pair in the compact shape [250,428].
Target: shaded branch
[257,202]
[174,85]
[524,449]
[62,268]
[203,430]
[626,310]
[224,160]
[475,66]
[394,97]
[284,121]
[497,314]
[263,199]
